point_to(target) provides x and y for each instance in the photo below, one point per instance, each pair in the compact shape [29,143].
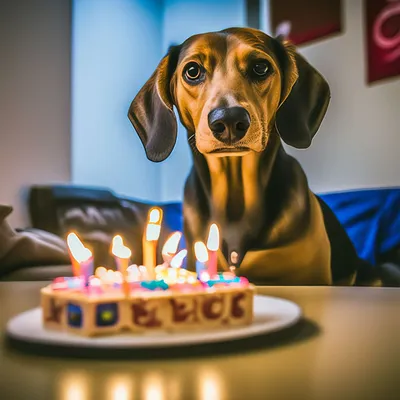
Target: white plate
[270,315]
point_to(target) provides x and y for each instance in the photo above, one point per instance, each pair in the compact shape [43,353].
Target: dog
[239,93]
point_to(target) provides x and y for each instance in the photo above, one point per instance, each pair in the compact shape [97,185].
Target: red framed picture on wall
[304,21]
[382,38]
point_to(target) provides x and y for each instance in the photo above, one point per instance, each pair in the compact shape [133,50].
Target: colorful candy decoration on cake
[147,297]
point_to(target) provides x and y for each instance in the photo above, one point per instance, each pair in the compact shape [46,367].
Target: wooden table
[347,347]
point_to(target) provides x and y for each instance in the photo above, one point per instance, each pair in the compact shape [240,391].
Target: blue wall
[116,44]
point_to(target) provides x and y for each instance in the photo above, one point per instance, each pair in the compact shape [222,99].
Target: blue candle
[201,253]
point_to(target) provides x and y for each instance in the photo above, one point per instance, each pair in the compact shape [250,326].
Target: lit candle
[150,238]
[177,260]
[176,264]
[234,259]
[171,247]
[200,250]
[81,257]
[72,239]
[122,256]
[213,247]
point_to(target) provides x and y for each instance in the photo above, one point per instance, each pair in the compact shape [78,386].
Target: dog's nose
[229,124]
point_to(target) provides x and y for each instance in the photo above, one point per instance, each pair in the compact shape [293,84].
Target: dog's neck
[238,184]
[235,188]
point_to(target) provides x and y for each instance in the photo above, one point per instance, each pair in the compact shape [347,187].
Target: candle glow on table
[213,247]
[81,256]
[150,239]
[201,254]
[122,256]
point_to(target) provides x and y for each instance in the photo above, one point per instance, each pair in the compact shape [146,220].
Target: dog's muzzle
[229,124]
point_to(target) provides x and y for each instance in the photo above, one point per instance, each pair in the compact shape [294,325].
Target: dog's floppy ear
[151,111]
[304,99]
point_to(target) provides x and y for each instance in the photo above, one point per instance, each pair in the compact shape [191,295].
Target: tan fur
[306,259]
[226,65]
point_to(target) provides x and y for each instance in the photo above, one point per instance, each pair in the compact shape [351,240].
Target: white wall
[184,18]
[358,143]
[34,99]
[116,46]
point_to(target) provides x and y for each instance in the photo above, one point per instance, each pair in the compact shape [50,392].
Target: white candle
[176,264]
[171,247]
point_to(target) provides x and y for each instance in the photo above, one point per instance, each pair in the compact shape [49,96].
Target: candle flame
[77,248]
[155,215]
[119,249]
[177,261]
[171,245]
[213,238]
[117,241]
[200,250]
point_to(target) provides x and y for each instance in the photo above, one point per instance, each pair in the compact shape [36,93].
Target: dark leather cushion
[96,215]
[39,273]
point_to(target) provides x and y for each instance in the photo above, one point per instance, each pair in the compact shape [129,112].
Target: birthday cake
[142,299]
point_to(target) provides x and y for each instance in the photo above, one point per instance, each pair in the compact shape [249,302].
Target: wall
[116,46]
[34,99]
[358,143]
[184,18]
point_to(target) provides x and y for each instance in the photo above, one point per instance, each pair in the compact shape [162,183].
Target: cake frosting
[177,300]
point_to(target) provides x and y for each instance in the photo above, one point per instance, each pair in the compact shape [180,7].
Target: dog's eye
[192,72]
[260,69]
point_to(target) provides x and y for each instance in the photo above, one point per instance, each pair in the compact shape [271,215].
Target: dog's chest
[237,204]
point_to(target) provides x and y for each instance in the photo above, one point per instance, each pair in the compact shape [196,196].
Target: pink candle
[81,256]
[213,247]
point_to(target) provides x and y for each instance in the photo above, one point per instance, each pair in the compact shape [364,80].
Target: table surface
[347,347]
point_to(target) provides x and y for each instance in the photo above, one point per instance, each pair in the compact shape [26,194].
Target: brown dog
[238,92]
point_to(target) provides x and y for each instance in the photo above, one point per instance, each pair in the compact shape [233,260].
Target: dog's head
[231,89]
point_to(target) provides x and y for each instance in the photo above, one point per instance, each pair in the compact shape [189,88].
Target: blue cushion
[370,217]
[173,219]
[173,216]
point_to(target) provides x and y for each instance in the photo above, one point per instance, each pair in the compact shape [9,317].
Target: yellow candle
[150,239]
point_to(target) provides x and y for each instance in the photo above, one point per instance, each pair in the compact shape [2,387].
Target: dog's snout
[229,124]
